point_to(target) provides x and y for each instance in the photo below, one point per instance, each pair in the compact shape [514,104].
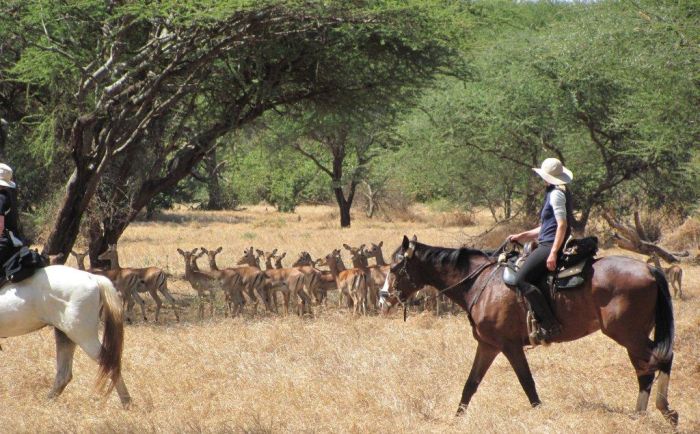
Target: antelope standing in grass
[127,284]
[231,281]
[204,284]
[375,275]
[154,279]
[674,274]
[312,276]
[321,281]
[352,282]
[253,278]
[288,280]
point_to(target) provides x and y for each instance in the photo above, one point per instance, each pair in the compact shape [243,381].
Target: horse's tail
[662,354]
[110,358]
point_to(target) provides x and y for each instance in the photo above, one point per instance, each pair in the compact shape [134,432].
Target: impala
[352,282]
[127,284]
[154,279]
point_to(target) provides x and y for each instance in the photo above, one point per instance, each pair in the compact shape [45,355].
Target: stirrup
[537,334]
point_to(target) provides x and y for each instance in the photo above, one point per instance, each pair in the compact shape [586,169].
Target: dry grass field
[332,372]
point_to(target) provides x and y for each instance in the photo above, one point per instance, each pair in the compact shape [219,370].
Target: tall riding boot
[549,326]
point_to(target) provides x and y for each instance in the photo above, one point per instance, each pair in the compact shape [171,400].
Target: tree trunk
[344,206]
[213,187]
[79,191]
[101,236]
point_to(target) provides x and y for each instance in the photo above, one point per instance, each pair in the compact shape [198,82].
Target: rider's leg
[531,271]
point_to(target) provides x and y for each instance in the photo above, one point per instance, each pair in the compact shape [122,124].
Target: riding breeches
[534,267]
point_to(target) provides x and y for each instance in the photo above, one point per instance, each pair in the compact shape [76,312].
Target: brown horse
[622,297]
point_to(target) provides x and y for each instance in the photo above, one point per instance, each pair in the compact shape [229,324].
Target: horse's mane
[445,256]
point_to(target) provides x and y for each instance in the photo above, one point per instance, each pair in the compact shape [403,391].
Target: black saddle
[22,264]
[574,261]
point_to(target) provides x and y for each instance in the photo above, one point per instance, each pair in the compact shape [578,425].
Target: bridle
[415,287]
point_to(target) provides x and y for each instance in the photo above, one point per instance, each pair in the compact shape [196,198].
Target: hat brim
[10,184]
[566,177]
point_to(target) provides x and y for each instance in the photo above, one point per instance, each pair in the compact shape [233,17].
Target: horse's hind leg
[662,393]
[65,348]
[485,354]
[640,355]
[517,359]
[92,346]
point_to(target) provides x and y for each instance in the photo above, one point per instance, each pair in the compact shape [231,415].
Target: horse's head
[404,277]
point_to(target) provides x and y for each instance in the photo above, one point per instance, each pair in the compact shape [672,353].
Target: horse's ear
[405,243]
[411,247]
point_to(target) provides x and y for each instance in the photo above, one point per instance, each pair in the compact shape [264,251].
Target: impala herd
[257,276]
[248,283]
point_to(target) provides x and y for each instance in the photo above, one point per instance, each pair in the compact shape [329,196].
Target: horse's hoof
[672,417]
[126,403]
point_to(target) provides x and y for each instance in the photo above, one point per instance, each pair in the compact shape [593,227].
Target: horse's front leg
[516,357]
[485,354]
[65,348]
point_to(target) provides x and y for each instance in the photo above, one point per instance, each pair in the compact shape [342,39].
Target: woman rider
[555,227]
[9,227]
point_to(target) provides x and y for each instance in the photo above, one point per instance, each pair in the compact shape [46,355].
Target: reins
[473,275]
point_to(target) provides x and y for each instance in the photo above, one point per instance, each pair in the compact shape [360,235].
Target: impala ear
[283,255]
[362,247]
[193,251]
[260,252]
[381,243]
[181,252]
[219,249]
[347,247]
[203,249]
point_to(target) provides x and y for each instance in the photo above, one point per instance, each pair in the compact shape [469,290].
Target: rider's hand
[552,261]
[514,238]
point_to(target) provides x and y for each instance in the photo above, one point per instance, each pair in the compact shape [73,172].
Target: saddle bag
[23,264]
[577,250]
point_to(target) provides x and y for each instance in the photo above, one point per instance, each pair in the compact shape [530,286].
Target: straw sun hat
[554,172]
[6,176]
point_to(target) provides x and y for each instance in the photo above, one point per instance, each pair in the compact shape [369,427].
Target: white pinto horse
[69,300]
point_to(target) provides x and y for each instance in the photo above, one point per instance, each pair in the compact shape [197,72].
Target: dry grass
[685,236]
[332,372]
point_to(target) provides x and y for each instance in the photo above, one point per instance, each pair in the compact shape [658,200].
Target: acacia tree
[605,87]
[118,69]
[347,55]
[340,143]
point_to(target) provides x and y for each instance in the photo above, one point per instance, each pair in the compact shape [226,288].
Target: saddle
[22,265]
[576,256]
